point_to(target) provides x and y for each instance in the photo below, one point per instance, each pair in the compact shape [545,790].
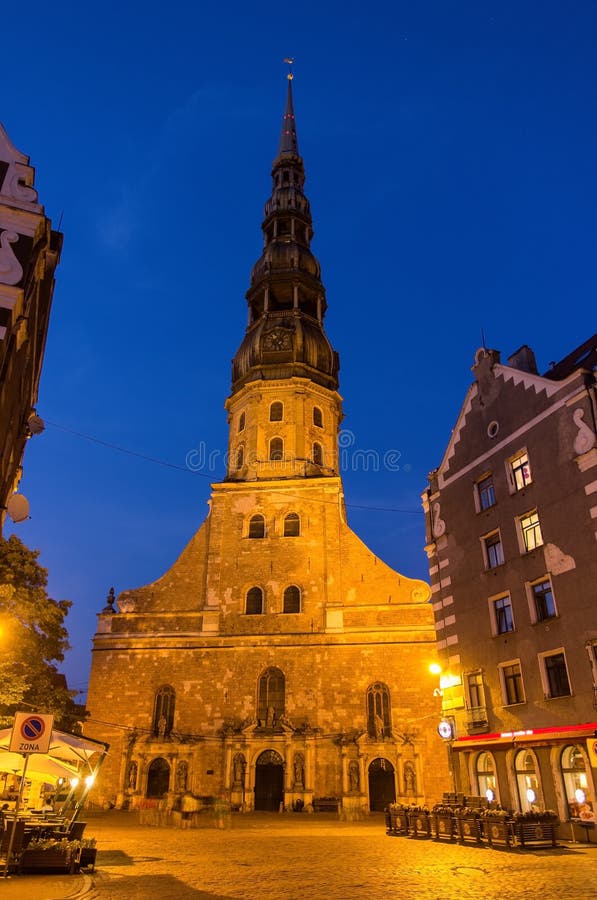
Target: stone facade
[279,661]
[29,254]
[511,525]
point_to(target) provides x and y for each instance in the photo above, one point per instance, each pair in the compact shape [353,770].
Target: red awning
[526,735]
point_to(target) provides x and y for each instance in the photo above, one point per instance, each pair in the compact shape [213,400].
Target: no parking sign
[31,733]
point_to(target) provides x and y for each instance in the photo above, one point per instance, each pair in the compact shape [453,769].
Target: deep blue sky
[450,151]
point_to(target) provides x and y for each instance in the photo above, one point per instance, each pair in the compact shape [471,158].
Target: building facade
[279,661]
[512,527]
[29,254]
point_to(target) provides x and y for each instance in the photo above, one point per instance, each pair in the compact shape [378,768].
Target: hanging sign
[31,733]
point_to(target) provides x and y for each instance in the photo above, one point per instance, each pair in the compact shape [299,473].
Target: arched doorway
[158,778]
[382,786]
[269,781]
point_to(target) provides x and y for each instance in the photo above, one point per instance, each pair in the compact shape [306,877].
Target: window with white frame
[475,691]
[511,681]
[493,553]
[554,674]
[542,603]
[519,471]
[485,493]
[530,531]
[502,620]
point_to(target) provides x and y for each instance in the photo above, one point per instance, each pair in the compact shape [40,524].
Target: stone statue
[162,727]
[353,775]
[410,781]
[182,770]
[270,716]
[132,779]
[299,769]
[238,768]
[379,727]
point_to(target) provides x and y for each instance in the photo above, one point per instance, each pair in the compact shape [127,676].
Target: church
[279,663]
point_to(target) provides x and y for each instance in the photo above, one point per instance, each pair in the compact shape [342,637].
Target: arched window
[317,417]
[257,527]
[379,724]
[241,422]
[485,769]
[276,411]
[270,696]
[163,710]
[292,599]
[240,457]
[276,449]
[292,525]
[254,601]
[317,454]
[527,781]
[580,799]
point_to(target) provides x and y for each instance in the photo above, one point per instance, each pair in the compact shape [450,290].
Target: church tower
[278,661]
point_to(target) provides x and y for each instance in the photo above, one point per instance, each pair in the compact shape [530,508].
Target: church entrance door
[158,778]
[269,781]
[382,788]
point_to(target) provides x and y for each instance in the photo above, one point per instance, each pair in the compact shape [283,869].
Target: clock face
[277,340]
[444,729]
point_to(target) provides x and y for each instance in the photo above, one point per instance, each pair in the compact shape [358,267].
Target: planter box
[497,832]
[419,825]
[56,861]
[396,823]
[535,834]
[444,827]
[87,858]
[469,829]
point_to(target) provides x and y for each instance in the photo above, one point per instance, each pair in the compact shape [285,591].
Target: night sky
[450,152]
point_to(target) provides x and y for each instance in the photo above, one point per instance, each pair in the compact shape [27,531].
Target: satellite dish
[17,508]
[36,424]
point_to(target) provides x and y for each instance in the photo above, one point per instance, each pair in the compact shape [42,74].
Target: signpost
[31,733]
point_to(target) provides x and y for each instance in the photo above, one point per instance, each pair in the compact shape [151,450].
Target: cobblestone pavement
[298,857]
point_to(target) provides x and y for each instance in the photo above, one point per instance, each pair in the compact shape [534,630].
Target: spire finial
[288,138]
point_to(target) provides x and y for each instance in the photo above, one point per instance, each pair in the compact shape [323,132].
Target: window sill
[547,697]
[516,703]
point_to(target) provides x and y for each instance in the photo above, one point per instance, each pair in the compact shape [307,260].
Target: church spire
[288,138]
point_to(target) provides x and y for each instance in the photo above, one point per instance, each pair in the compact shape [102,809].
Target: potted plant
[50,855]
[444,822]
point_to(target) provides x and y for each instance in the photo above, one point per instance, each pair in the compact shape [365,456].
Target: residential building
[511,528]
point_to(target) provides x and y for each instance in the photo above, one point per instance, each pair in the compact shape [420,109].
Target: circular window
[492,429]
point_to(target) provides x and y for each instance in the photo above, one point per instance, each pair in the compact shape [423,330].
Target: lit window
[519,471]
[554,674]
[317,454]
[530,531]
[527,781]
[378,711]
[511,677]
[276,449]
[502,615]
[241,422]
[276,412]
[254,605]
[492,547]
[485,492]
[543,602]
[578,791]
[317,417]
[257,527]
[292,599]
[292,525]
[486,774]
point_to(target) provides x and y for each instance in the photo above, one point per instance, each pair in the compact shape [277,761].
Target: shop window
[257,527]
[486,779]
[527,781]
[530,532]
[378,711]
[579,797]
[276,449]
[292,525]
[554,674]
[292,599]
[542,601]
[317,417]
[271,696]
[519,471]
[254,604]
[502,620]
[317,454]
[493,553]
[163,710]
[485,493]
[276,412]
[511,681]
